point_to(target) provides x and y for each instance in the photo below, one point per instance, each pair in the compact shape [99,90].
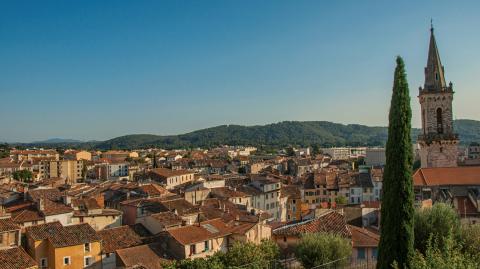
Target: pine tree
[397,237]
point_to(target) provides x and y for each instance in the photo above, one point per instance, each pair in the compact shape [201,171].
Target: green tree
[23,175]
[315,249]
[244,255]
[341,200]
[4,150]
[397,235]
[447,255]
[256,256]
[470,237]
[290,151]
[435,223]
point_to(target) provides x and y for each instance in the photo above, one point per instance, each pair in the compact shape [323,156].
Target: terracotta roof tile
[143,256]
[61,236]
[119,238]
[363,238]
[165,172]
[447,176]
[167,219]
[210,229]
[16,258]
[8,225]
[330,222]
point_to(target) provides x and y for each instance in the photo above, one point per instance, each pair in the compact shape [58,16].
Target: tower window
[436,76]
[439,121]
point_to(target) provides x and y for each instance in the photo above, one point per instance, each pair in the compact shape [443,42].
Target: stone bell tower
[438,142]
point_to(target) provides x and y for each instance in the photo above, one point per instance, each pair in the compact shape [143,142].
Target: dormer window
[436,76]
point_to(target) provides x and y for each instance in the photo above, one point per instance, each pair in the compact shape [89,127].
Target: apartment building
[71,170]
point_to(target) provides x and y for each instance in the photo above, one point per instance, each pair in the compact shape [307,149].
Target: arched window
[439,121]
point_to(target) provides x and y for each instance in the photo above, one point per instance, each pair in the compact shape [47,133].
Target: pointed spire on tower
[434,72]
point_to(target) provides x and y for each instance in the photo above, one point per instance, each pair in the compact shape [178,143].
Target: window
[66,260]
[192,249]
[439,121]
[43,262]
[87,261]
[87,247]
[374,253]
[360,253]
[206,246]
[284,239]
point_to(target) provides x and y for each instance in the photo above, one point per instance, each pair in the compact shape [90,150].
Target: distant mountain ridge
[57,141]
[300,133]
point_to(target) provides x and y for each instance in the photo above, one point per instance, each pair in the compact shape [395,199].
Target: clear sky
[101,69]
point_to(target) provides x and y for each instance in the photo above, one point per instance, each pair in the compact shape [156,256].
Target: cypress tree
[397,237]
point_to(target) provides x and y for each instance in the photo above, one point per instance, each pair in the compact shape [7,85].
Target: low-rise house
[16,258]
[9,233]
[160,222]
[55,246]
[288,236]
[171,178]
[135,211]
[199,240]
[87,210]
[233,195]
[365,244]
[249,231]
[122,237]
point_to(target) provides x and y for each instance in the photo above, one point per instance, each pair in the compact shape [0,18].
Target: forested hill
[299,133]
[285,133]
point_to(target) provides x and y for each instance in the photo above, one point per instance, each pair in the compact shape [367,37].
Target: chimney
[41,204]
[67,199]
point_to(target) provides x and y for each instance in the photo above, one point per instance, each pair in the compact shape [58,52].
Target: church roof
[434,72]
[446,176]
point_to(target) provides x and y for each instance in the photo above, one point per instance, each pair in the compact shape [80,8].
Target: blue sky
[101,69]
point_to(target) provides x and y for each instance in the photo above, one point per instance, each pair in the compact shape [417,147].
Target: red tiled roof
[330,222]
[363,238]
[164,172]
[60,236]
[26,215]
[8,225]
[447,176]
[144,256]
[210,229]
[43,231]
[167,219]
[119,238]
[16,258]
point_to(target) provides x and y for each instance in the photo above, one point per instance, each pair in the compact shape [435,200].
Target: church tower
[438,142]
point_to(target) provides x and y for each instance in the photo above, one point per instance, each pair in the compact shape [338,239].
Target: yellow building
[78,155]
[55,246]
[71,170]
